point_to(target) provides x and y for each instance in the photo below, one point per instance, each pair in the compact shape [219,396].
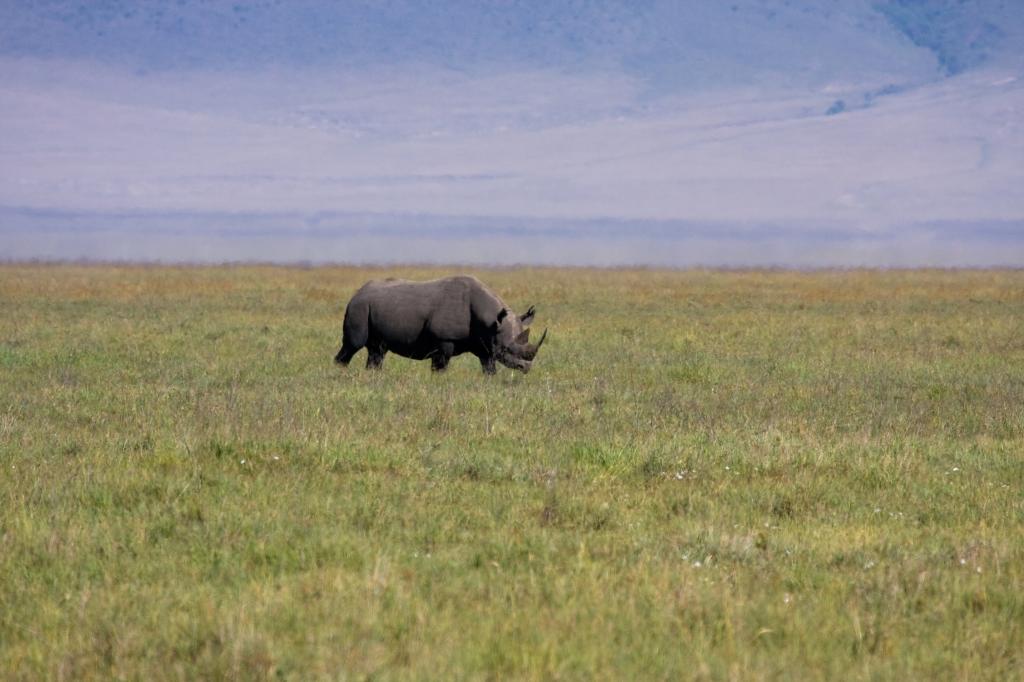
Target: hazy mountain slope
[952,149]
[961,34]
[807,121]
[672,41]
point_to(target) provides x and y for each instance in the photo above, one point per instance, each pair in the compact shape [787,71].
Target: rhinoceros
[437,320]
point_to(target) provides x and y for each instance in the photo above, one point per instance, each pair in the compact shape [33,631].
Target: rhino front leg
[440,357]
[487,365]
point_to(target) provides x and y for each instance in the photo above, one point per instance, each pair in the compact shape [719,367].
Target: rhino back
[402,311]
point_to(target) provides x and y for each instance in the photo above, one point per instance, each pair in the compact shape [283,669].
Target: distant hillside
[671,42]
[748,131]
[961,34]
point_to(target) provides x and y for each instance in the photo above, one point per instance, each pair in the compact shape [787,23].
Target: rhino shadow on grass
[438,319]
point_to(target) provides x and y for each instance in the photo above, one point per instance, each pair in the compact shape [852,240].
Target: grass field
[721,475]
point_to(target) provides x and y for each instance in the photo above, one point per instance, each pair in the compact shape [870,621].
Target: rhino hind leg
[344,355]
[355,331]
[375,357]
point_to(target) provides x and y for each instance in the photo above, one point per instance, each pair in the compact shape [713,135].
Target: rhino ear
[524,337]
[527,318]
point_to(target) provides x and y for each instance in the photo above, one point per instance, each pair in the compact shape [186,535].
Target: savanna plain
[706,475]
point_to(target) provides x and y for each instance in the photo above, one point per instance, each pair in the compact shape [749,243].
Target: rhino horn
[531,351]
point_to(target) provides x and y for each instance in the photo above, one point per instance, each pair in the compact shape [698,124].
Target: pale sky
[841,132]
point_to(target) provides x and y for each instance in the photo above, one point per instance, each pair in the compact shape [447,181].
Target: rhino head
[512,340]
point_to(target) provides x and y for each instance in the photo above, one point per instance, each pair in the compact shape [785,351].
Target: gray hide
[436,320]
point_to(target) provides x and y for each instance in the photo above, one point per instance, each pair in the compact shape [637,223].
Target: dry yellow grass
[749,475]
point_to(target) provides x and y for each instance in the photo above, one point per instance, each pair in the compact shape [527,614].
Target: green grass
[722,475]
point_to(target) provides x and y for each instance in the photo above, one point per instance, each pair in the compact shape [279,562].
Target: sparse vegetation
[744,475]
